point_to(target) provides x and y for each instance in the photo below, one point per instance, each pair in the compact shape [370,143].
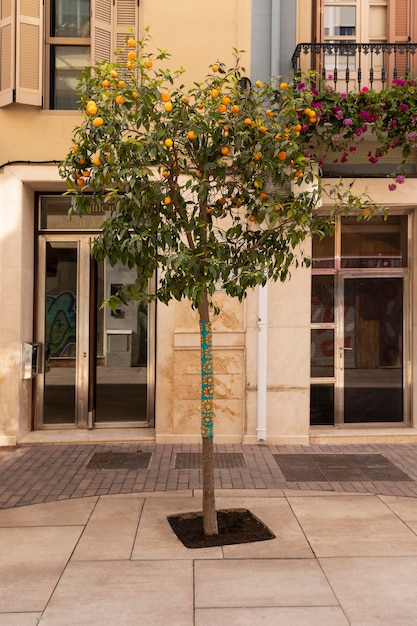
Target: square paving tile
[111,529]
[31,563]
[20,619]
[122,593]
[375,591]
[261,583]
[276,616]
[63,513]
[352,526]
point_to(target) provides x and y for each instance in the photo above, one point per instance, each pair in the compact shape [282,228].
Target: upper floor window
[339,20]
[67,50]
[45,45]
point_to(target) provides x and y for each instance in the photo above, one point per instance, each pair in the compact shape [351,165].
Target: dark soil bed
[235,526]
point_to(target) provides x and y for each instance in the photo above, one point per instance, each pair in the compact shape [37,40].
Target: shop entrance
[97,365]
[360,337]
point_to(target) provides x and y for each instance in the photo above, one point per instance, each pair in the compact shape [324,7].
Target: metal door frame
[82,419]
[340,351]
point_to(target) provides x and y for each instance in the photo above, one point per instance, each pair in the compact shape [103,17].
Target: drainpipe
[262,361]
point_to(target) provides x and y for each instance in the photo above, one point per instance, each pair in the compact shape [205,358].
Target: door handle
[344,348]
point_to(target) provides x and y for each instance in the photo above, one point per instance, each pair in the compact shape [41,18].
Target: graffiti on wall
[60,324]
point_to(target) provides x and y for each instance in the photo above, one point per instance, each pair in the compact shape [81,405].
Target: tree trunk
[207,414]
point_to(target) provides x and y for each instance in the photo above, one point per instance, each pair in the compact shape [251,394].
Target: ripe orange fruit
[80,182]
[226,100]
[252,218]
[131,55]
[214,93]
[165,174]
[135,95]
[148,64]
[259,83]
[98,121]
[81,160]
[283,86]
[262,129]
[169,143]
[165,97]
[198,174]
[105,83]
[86,173]
[168,107]
[297,128]
[248,121]
[224,150]
[75,147]
[113,74]
[167,200]
[120,99]
[312,119]
[277,207]
[263,195]
[215,68]
[96,161]
[131,43]
[298,174]
[121,84]
[257,184]
[282,155]
[257,156]
[235,108]
[308,111]
[222,108]
[269,113]
[91,108]
[191,134]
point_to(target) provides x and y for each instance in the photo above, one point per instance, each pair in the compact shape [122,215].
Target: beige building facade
[291,365]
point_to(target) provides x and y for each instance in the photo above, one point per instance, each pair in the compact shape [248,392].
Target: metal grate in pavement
[222,460]
[338,468]
[120,460]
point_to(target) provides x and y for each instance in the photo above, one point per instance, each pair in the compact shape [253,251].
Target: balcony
[349,66]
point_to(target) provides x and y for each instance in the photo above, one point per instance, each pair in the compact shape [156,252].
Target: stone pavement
[35,473]
[97,549]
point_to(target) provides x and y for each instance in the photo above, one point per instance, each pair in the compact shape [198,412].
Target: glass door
[60,340]
[371,351]
[97,364]
[360,366]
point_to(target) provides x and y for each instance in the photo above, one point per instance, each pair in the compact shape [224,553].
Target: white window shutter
[7,51]
[125,22]
[29,45]
[101,29]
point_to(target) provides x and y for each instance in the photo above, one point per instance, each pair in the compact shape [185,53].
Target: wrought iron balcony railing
[350,65]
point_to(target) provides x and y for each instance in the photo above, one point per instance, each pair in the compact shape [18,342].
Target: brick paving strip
[35,473]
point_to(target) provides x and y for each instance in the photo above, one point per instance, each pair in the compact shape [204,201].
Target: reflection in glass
[67,63]
[323,252]
[322,298]
[70,18]
[376,243]
[322,405]
[339,21]
[122,340]
[373,350]
[60,332]
[322,353]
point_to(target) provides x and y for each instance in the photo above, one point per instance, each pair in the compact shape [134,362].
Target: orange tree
[209,185]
